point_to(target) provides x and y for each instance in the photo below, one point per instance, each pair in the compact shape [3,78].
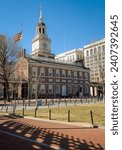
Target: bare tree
[8,56]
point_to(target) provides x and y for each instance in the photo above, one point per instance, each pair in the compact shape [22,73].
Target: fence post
[35,112]
[46,101]
[6,109]
[29,102]
[49,114]
[92,120]
[13,109]
[68,115]
[23,111]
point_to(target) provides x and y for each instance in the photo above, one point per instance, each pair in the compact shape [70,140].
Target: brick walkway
[52,135]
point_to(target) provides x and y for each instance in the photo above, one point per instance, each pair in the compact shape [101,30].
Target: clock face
[35,46]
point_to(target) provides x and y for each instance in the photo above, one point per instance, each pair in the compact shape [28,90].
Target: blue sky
[70,23]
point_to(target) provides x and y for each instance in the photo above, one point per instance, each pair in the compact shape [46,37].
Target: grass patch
[79,113]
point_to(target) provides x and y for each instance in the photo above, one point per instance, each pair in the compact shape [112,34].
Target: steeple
[41,18]
[41,43]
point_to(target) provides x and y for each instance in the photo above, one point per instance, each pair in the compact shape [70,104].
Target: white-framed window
[99,48]
[86,75]
[69,74]
[70,58]
[50,88]
[34,86]
[50,72]
[57,89]
[69,89]
[103,48]
[78,57]
[95,50]
[81,89]
[87,53]
[91,51]
[73,58]
[75,74]
[86,89]
[75,89]
[34,70]
[42,71]
[81,75]
[42,88]
[57,73]
[63,73]
[67,58]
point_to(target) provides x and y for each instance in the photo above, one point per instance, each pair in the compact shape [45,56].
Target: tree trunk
[7,90]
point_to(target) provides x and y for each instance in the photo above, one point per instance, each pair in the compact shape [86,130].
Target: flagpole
[21,27]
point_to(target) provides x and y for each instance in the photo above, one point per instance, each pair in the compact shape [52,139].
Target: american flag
[18,36]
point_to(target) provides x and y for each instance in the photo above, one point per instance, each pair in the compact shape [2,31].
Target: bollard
[29,102]
[46,101]
[68,115]
[92,120]
[23,111]
[49,114]
[35,112]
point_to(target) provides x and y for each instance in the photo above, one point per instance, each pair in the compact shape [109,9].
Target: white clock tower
[41,42]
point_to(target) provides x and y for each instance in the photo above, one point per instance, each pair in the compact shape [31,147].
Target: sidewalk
[55,134]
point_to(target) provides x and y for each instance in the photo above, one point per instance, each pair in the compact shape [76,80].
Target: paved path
[53,135]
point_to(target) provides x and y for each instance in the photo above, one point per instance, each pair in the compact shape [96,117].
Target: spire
[41,18]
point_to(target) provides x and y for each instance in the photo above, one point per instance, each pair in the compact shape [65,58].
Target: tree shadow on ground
[49,137]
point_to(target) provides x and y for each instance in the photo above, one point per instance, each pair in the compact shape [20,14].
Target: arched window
[87,53]
[40,30]
[91,51]
[57,89]
[57,73]
[69,89]
[86,89]
[81,89]
[86,75]
[72,57]
[67,58]
[63,73]
[75,74]
[69,74]
[103,48]
[42,71]
[50,72]
[75,89]
[99,48]
[77,57]
[81,75]
[42,88]
[50,88]
[95,50]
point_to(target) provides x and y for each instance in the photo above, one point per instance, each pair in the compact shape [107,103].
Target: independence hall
[40,75]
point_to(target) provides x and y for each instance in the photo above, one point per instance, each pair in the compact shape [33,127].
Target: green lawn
[79,113]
